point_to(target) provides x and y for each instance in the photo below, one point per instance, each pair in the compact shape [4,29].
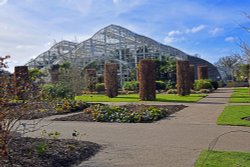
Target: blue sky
[210,28]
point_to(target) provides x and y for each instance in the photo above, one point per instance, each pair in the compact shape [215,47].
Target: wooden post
[147,80]
[110,79]
[54,73]
[182,77]
[202,72]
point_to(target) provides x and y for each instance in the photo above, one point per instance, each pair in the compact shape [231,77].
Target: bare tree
[229,65]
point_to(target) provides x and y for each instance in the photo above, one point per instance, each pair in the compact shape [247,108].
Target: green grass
[223,159]
[232,116]
[135,98]
[240,95]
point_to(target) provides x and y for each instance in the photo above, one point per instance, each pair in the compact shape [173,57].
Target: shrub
[170,85]
[131,86]
[56,91]
[204,91]
[215,84]
[160,85]
[172,91]
[100,87]
[202,84]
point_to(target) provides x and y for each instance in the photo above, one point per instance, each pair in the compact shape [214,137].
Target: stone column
[147,80]
[111,79]
[182,78]
[202,72]
[22,82]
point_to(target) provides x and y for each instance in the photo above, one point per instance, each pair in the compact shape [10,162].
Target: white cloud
[216,30]
[197,29]
[174,32]
[2,2]
[229,39]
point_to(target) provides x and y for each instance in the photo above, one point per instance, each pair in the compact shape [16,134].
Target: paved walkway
[173,142]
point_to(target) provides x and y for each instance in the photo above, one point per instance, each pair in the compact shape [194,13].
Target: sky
[209,28]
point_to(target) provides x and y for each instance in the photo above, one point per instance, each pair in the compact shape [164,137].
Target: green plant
[172,91]
[215,84]
[41,148]
[131,86]
[56,91]
[100,87]
[202,84]
[160,85]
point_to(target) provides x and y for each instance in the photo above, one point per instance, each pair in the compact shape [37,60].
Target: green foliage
[160,85]
[223,159]
[56,91]
[100,87]
[36,74]
[172,91]
[41,148]
[242,72]
[170,85]
[232,115]
[131,86]
[106,113]
[202,84]
[166,69]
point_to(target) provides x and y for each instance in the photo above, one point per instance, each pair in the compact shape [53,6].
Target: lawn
[135,98]
[223,159]
[232,115]
[240,95]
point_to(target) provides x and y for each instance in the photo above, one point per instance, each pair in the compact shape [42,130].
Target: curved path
[173,142]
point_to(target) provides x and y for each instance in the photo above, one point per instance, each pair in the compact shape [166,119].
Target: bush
[100,87]
[172,91]
[215,84]
[131,86]
[202,84]
[56,91]
[170,85]
[160,85]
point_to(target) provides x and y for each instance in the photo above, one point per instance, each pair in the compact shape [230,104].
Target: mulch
[24,152]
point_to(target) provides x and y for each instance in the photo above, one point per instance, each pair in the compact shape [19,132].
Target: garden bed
[49,152]
[124,114]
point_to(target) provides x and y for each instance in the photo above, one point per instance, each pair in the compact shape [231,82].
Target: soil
[58,153]
[83,116]
[246,118]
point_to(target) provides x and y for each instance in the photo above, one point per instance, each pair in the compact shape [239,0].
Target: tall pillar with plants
[110,79]
[22,82]
[182,77]
[90,79]
[147,79]
[54,73]
[202,72]
[191,76]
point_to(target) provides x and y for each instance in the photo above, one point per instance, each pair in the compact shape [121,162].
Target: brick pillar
[147,80]
[182,78]
[191,76]
[202,72]
[111,79]
[22,82]
[54,73]
[91,79]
